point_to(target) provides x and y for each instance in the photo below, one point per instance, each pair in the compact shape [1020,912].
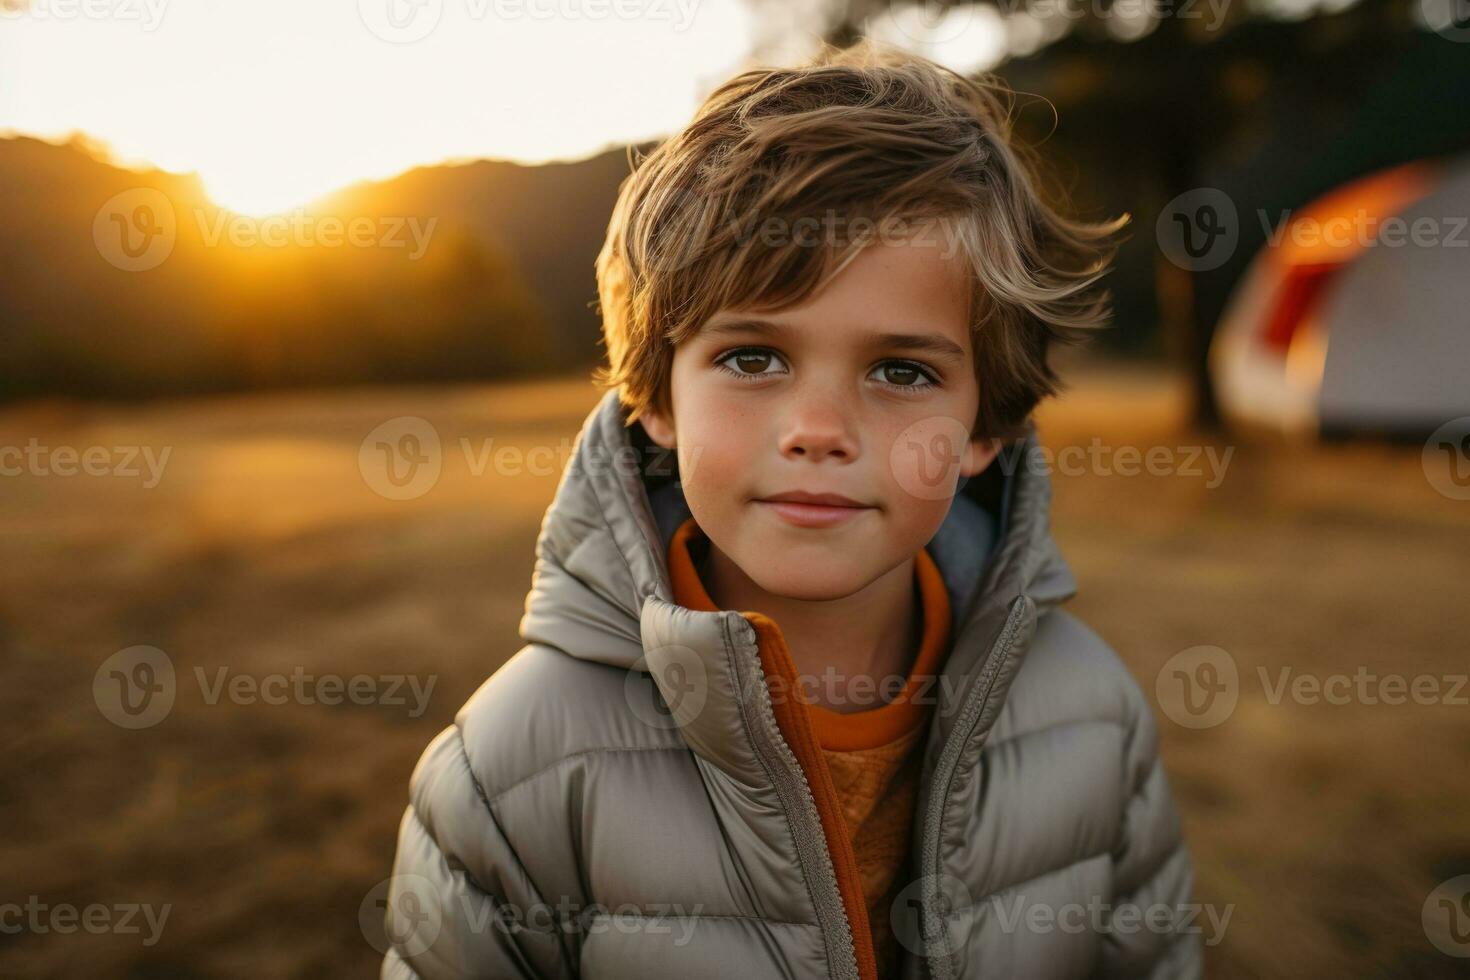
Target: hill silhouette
[481,270]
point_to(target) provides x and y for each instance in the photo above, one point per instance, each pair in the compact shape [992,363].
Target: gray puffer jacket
[618,801]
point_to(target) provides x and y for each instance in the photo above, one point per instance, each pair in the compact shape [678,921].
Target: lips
[816,510]
[803,497]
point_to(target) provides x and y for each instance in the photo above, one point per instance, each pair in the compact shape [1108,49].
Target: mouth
[804,509]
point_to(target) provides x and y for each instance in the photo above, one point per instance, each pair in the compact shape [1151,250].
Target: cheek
[717,454]
[923,461]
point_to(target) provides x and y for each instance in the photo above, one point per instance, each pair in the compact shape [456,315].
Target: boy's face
[820,401]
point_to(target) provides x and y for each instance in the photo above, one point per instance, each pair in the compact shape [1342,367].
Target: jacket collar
[875,725]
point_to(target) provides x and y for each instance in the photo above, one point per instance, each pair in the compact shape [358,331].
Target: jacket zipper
[849,945]
[931,924]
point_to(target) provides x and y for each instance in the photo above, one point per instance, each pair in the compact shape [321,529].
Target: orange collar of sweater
[859,729]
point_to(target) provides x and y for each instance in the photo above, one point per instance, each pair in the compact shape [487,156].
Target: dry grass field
[262,551]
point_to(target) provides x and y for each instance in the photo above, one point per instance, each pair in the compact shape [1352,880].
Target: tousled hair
[717,217]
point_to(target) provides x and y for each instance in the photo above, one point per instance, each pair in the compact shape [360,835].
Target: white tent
[1356,315]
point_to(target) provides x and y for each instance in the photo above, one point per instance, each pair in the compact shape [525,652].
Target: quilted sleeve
[1151,870]
[459,902]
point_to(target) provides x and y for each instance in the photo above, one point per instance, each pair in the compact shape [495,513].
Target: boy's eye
[756,362]
[902,374]
[750,362]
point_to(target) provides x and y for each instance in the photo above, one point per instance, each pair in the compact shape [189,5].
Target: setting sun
[260,194]
[274,103]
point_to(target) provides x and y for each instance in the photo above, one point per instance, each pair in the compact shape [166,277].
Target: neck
[872,634]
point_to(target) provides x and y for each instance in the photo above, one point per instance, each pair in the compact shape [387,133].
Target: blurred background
[251,243]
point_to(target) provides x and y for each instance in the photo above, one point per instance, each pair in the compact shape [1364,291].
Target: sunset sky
[274,102]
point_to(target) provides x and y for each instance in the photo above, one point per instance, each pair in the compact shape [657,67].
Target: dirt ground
[263,550]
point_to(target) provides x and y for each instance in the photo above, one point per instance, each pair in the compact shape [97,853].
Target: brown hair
[879,138]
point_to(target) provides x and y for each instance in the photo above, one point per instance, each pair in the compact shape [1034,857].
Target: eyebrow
[931,343]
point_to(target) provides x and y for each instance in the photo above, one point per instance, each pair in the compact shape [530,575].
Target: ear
[659,428]
[979,453]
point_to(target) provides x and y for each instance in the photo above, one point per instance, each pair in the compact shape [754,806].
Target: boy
[796,699]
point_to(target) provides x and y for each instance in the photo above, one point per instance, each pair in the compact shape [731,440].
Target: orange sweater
[871,757]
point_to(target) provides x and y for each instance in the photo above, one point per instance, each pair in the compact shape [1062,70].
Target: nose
[819,427]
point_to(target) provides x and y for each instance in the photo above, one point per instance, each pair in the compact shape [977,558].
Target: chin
[837,582]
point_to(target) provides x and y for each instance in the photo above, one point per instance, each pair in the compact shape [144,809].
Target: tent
[1355,316]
